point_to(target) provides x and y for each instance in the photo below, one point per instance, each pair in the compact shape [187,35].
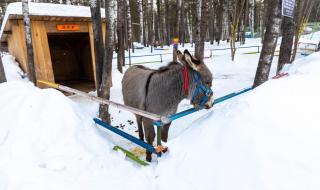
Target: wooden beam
[143,113]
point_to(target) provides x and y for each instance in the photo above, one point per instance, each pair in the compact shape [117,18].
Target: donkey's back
[134,84]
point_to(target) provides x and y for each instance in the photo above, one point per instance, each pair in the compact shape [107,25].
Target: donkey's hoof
[161,148]
[149,157]
[165,149]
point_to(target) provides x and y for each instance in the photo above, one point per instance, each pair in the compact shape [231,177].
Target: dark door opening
[71,60]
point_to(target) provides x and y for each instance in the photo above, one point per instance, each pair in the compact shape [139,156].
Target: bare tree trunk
[245,22]
[130,38]
[203,29]
[286,43]
[182,27]
[160,23]
[235,14]
[2,73]
[196,23]
[177,28]
[106,82]
[304,8]
[211,22]
[27,28]
[168,37]
[269,43]
[120,32]
[188,28]
[151,31]
[98,39]
[251,18]
[219,29]
[143,9]
[141,22]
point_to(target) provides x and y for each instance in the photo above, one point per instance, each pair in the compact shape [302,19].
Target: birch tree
[130,36]
[269,42]
[120,34]
[196,29]
[27,28]
[106,82]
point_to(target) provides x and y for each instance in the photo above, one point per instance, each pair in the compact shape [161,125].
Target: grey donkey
[160,91]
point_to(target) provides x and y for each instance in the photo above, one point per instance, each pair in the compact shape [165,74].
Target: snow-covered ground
[267,138]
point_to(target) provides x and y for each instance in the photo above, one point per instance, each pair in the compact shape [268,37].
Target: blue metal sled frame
[173,117]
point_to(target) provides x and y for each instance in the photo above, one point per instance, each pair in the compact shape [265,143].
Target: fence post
[129,58]
[258,49]
[161,58]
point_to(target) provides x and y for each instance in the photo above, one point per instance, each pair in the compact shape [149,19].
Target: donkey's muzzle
[209,104]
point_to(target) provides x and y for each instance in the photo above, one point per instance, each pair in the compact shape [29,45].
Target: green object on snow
[251,53]
[131,156]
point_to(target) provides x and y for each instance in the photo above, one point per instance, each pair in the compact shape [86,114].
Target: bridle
[207,92]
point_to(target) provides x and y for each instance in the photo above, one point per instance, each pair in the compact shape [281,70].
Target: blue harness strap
[207,92]
[192,110]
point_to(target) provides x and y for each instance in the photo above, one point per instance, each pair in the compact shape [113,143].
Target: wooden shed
[62,41]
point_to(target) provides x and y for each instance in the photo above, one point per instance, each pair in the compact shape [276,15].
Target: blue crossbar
[192,110]
[131,138]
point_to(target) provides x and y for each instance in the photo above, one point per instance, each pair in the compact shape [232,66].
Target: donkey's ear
[190,60]
[180,56]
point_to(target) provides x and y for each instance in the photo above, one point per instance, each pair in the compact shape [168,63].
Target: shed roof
[47,11]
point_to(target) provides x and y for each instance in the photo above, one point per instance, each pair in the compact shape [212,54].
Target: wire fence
[161,55]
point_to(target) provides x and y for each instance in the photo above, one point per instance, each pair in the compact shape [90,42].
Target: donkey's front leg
[149,134]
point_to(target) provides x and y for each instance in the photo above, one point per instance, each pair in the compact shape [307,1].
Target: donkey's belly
[134,87]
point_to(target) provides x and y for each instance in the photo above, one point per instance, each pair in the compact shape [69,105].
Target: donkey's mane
[161,69]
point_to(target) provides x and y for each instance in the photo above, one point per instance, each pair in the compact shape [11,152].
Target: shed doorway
[71,60]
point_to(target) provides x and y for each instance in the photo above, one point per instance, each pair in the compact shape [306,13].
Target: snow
[267,138]
[48,9]
[12,69]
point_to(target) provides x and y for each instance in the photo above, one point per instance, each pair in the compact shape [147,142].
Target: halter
[199,87]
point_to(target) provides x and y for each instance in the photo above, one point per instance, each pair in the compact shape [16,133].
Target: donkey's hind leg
[150,135]
[164,132]
[140,128]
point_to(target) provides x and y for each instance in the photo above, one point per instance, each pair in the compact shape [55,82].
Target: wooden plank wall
[43,65]
[17,45]
[92,45]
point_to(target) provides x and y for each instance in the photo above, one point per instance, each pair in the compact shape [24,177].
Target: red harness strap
[185,80]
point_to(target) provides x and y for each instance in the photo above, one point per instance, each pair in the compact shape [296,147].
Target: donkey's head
[202,95]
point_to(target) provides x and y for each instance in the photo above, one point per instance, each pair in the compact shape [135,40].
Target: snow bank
[46,142]
[12,69]
[265,139]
